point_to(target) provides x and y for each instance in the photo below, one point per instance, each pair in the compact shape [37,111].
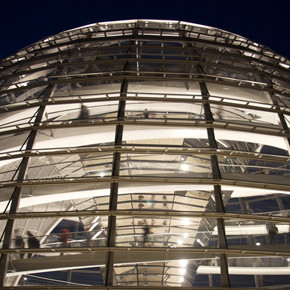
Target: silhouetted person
[84,114]
[146,234]
[146,114]
[272,232]
[19,243]
[33,243]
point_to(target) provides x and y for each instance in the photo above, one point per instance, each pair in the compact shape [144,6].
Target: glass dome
[145,153]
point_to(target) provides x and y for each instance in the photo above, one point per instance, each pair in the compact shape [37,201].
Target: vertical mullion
[222,242]
[114,186]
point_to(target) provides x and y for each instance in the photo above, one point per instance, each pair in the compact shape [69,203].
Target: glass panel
[85,88]
[160,135]
[65,197]
[70,166]
[70,232]
[156,165]
[244,115]
[13,142]
[9,169]
[238,93]
[287,118]
[59,114]
[253,142]
[172,232]
[5,195]
[163,110]
[164,88]
[74,137]
[272,271]
[283,100]
[167,272]
[14,120]
[261,170]
[57,269]
[179,200]
[256,235]
[21,95]
[256,201]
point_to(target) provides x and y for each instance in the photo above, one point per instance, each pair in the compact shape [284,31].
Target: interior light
[200,242]
[258,244]
[182,271]
[179,242]
[96,219]
[185,235]
[24,84]
[93,226]
[284,65]
[181,280]
[102,174]
[186,222]
[184,167]
[223,143]
[183,263]
[97,234]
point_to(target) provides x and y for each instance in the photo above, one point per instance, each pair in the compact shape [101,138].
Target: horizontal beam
[150,149]
[147,180]
[120,288]
[219,124]
[236,251]
[144,213]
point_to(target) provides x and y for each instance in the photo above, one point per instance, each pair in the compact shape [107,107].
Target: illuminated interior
[161,147]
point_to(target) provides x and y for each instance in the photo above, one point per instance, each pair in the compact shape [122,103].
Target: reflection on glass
[74,137]
[183,200]
[256,234]
[172,232]
[266,267]
[193,166]
[244,168]
[169,135]
[244,115]
[70,166]
[163,110]
[64,114]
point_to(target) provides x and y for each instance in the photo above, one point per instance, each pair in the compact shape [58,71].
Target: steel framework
[162,147]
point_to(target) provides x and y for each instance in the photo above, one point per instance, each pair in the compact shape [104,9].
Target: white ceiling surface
[245,270]
[254,229]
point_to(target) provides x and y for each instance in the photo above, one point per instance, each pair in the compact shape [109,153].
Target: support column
[222,242]
[114,187]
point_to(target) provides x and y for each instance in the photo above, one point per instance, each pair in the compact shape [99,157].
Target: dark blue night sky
[263,21]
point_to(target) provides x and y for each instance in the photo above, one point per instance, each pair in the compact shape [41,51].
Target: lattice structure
[145,153]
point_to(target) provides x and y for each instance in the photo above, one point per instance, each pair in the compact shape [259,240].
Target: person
[19,242]
[272,232]
[84,114]
[33,243]
[65,235]
[146,234]
[146,113]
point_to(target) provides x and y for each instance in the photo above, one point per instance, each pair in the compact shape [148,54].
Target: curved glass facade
[145,153]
